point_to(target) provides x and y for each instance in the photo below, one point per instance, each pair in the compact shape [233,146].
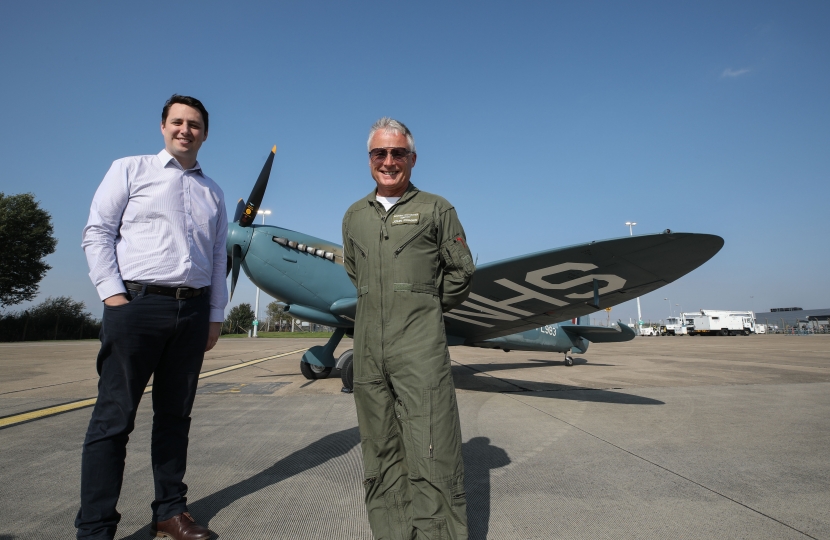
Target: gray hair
[391,125]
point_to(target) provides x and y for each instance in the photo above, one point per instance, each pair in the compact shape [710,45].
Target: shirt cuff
[217,315]
[111,287]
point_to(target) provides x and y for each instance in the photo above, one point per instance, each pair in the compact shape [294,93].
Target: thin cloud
[729,72]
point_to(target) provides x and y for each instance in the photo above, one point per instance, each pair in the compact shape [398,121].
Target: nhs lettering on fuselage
[504,310]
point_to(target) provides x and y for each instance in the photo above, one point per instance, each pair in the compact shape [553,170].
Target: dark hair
[185,100]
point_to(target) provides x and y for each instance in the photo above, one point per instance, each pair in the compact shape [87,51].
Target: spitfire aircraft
[536,302]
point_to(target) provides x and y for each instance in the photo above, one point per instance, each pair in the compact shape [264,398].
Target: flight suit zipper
[383,235]
[430,423]
[424,227]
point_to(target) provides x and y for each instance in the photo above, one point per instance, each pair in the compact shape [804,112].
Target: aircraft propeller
[244,217]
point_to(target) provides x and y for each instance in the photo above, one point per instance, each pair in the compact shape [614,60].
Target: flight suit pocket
[396,515]
[375,421]
[408,239]
[360,249]
[442,436]
[361,263]
[456,255]
[416,258]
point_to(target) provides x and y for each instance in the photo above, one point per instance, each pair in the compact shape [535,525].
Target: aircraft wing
[552,286]
[601,334]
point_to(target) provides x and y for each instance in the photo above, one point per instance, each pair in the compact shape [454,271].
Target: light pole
[639,313]
[671,313]
[256,308]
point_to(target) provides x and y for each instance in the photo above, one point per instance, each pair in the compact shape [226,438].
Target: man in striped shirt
[155,244]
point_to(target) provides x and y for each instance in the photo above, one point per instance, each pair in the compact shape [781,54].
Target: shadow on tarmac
[536,364]
[465,379]
[329,447]
[480,457]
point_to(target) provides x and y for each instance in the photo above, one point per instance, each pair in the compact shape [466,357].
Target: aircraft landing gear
[569,361]
[346,364]
[318,361]
[312,371]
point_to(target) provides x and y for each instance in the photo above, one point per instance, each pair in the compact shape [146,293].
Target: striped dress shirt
[153,222]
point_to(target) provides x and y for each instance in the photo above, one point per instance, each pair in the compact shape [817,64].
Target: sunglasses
[378,155]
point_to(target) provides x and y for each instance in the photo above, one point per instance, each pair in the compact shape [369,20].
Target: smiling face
[184,132]
[391,176]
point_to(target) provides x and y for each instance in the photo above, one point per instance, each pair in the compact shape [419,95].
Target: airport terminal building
[789,317]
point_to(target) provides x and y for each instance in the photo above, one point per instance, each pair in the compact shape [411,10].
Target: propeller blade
[255,198]
[237,259]
[240,207]
[230,265]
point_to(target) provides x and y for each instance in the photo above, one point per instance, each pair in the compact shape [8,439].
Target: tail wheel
[312,371]
[569,361]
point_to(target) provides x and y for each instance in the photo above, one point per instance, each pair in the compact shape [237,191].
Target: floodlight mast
[639,313]
[256,308]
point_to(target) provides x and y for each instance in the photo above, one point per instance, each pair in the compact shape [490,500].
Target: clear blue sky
[546,123]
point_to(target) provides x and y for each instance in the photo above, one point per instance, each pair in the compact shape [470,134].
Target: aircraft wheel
[569,361]
[347,372]
[311,371]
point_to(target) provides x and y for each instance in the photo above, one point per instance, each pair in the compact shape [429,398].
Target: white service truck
[675,326]
[720,323]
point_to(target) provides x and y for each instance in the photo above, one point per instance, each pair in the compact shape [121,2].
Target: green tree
[239,319]
[54,318]
[26,238]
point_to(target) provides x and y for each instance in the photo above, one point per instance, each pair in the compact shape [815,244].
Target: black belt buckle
[183,293]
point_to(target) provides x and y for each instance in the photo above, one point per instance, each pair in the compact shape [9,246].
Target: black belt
[180,293]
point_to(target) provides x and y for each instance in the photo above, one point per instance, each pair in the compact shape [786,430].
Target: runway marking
[46,386]
[74,405]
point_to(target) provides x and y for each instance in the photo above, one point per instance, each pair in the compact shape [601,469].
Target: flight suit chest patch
[406,219]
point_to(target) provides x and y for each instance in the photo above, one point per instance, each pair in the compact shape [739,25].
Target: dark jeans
[152,335]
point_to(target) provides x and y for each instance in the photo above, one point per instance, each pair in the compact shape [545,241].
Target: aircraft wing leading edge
[552,286]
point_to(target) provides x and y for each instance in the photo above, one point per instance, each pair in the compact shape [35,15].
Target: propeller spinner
[244,217]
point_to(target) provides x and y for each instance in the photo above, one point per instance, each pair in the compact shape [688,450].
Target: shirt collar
[165,158]
[408,194]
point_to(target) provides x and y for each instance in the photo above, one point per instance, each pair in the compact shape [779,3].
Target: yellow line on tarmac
[51,411]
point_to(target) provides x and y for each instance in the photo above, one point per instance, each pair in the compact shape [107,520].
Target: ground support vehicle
[720,323]
[675,326]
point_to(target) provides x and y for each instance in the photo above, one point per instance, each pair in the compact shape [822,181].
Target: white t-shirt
[387,202]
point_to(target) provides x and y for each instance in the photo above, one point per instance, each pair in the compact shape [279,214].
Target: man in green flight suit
[406,253]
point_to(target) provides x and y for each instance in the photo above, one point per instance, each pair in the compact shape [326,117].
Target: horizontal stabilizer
[601,334]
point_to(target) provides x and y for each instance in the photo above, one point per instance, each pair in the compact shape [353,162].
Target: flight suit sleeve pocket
[457,256]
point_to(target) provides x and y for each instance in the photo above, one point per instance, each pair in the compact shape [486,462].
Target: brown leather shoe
[181,527]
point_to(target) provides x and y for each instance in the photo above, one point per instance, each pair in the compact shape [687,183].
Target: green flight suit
[409,266]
